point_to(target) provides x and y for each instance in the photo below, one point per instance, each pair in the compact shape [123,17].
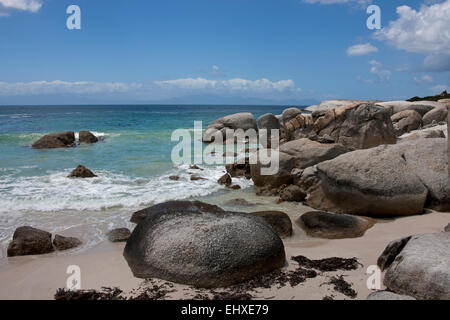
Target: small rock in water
[29,241]
[118,235]
[235,187]
[195,178]
[225,180]
[65,243]
[87,137]
[81,172]
[195,167]
[174,178]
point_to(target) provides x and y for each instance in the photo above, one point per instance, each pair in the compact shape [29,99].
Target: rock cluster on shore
[31,241]
[345,158]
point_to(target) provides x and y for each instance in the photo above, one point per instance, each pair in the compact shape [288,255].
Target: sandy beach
[38,277]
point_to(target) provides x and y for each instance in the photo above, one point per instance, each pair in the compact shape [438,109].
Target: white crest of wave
[57,192]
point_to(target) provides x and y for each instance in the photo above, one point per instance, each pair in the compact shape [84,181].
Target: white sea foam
[56,192]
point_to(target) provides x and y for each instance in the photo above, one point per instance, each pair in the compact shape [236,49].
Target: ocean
[132,161]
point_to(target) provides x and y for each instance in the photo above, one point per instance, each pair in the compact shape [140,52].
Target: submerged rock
[203,249]
[239,202]
[81,172]
[118,235]
[334,226]
[29,241]
[55,140]
[87,137]
[279,221]
[225,180]
[421,268]
[65,243]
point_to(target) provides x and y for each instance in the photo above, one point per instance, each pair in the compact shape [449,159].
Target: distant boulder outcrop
[55,140]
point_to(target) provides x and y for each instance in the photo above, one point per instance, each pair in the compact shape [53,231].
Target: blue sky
[221,51]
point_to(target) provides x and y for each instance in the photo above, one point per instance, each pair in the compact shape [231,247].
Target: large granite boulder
[81,172]
[29,241]
[438,114]
[421,107]
[308,153]
[268,122]
[406,121]
[279,221]
[391,180]
[423,134]
[356,126]
[243,120]
[421,268]
[171,207]
[327,105]
[327,225]
[55,140]
[87,137]
[364,182]
[203,249]
[428,160]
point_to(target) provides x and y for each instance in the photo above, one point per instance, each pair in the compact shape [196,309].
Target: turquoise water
[133,162]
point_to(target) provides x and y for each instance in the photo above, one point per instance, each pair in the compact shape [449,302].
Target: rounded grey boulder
[29,241]
[421,268]
[203,249]
[333,226]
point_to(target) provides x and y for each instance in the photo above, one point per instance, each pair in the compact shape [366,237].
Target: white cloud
[7,6]
[439,88]
[383,75]
[424,31]
[166,88]
[424,79]
[63,87]
[361,49]
[232,85]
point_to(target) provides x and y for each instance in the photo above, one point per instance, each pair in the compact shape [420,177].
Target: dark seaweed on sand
[343,286]
[328,264]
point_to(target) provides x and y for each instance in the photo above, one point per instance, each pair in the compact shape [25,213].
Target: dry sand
[38,277]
